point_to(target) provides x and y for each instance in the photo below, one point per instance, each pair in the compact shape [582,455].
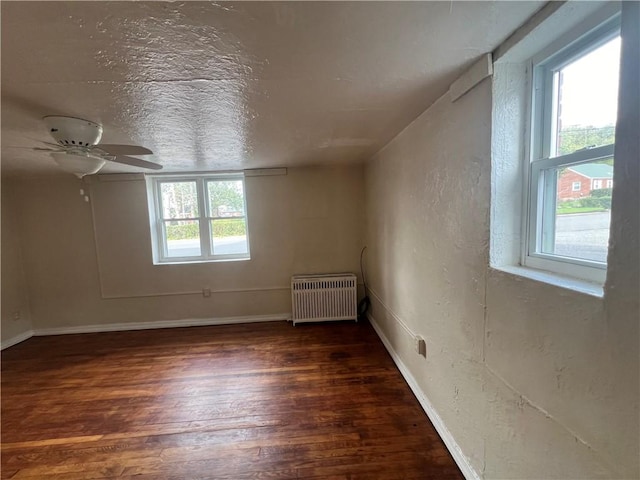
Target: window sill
[569,283]
[190,262]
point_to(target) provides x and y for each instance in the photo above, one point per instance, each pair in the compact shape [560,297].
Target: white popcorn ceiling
[215,86]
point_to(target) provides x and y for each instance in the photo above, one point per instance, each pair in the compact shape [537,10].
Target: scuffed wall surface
[427,197]
[532,381]
[14,282]
[556,348]
[66,286]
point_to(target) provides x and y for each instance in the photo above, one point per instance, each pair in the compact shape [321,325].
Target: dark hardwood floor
[228,402]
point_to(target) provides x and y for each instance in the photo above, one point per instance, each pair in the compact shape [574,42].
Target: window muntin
[573,127]
[198,218]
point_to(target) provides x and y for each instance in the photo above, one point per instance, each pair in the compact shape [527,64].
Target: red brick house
[579,180]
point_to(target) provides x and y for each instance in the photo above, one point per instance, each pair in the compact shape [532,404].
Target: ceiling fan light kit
[78,164]
[78,152]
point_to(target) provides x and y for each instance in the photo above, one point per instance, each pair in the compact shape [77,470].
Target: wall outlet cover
[420,346]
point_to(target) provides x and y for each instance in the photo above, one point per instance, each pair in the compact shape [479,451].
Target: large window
[197,218]
[574,108]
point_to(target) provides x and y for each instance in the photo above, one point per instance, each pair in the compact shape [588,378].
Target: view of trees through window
[576,137]
[224,201]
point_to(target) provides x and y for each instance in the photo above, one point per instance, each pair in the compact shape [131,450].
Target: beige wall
[15,299]
[533,381]
[307,221]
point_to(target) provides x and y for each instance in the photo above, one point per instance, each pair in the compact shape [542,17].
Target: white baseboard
[17,339]
[122,327]
[451,444]
[187,322]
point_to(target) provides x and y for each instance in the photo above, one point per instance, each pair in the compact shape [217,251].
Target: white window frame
[157,222]
[540,148]
[574,185]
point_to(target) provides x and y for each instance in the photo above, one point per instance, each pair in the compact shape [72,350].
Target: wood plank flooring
[254,401]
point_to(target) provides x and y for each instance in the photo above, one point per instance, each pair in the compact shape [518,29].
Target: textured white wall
[307,221]
[14,286]
[533,381]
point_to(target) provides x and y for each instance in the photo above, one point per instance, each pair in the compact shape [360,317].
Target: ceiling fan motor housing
[70,131]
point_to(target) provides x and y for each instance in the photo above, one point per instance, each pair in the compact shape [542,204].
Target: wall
[14,287]
[531,380]
[310,220]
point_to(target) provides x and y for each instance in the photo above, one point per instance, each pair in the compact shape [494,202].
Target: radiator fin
[317,298]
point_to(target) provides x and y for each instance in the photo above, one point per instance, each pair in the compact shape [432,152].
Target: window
[574,108]
[197,218]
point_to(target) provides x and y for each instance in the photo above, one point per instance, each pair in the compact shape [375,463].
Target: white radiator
[317,298]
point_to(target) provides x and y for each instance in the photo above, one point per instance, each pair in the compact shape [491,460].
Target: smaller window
[574,110]
[196,218]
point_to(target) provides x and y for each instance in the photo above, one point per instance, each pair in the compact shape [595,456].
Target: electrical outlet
[206,292]
[17,315]
[420,346]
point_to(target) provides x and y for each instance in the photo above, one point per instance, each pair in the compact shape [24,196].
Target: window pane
[179,200]
[229,236]
[586,92]
[183,238]
[575,221]
[226,198]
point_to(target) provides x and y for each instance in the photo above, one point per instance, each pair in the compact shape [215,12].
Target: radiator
[317,298]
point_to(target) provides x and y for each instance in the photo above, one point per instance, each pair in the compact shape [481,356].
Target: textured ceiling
[213,86]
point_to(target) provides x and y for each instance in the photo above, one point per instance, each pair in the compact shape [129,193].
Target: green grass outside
[568,210]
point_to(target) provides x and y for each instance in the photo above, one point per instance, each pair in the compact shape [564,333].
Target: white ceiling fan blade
[51,144]
[114,149]
[37,140]
[136,162]
[42,149]
[32,148]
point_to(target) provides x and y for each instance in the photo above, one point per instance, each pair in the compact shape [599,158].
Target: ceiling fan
[78,150]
